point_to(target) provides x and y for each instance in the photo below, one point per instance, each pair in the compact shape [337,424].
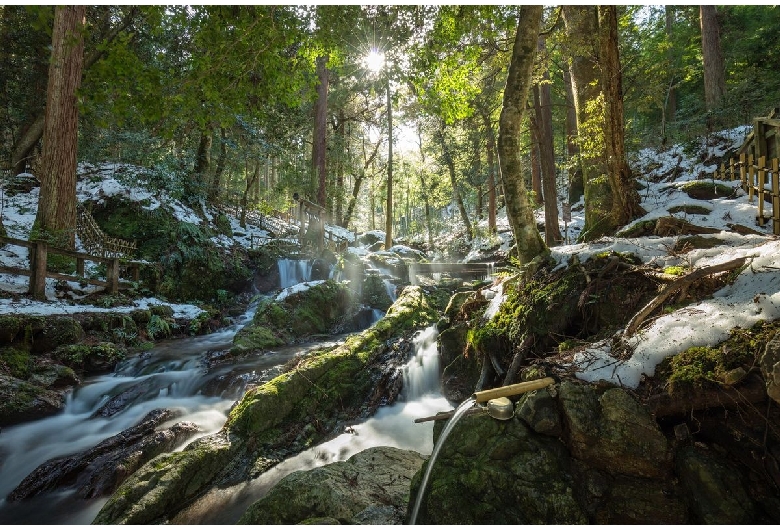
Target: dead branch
[675,286]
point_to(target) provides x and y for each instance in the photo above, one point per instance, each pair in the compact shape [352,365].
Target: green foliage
[676,270]
[85,355]
[158,327]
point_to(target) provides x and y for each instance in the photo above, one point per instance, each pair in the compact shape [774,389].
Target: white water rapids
[174,372]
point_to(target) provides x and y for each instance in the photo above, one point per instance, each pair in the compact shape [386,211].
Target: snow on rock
[297,288]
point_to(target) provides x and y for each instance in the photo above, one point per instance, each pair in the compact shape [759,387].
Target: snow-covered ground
[754,295]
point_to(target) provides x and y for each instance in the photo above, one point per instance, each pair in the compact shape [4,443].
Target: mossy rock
[11,326]
[21,401]
[56,332]
[497,472]
[690,209]
[15,362]
[696,242]
[95,358]
[320,309]
[706,190]
[639,229]
[293,411]
[375,293]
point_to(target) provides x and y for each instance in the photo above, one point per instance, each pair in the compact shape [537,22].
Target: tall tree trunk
[341,143]
[625,197]
[582,34]
[389,199]
[33,132]
[521,216]
[250,184]
[423,184]
[368,162]
[450,163]
[56,217]
[576,185]
[536,168]
[490,149]
[320,129]
[671,94]
[216,182]
[543,115]
[197,185]
[712,55]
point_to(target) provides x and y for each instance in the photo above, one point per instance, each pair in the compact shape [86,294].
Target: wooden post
[112,276]
[733,172]
[38,270]
[751,178]
[775,197]
[761,180]
[742,177]
[80,266]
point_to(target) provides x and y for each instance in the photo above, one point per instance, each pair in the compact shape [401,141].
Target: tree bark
[576,186]
[529,242]
[450,163]
[671,94]
[625,197]
[389,198]
[536,166]
[320,129]
[56,217]
[490,149]
[543,118]
[712,57]
[216,183]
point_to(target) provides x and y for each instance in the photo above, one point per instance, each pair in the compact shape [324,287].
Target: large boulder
[371,487]
[770,368]
[499,472]
[611,431]
[22,401]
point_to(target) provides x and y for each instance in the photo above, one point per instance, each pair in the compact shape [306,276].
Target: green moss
[15,362]
[690,209]
[158,327]
[676,270]
[640,229]
[706,190]
[85,356]
[700,367]
[10,327]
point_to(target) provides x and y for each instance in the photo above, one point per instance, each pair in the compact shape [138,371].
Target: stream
[172,375]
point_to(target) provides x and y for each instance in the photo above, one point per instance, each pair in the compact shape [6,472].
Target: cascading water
[293,271]
[173,376]
[392,426]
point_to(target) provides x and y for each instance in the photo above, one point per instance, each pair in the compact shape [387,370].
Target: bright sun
[375,60]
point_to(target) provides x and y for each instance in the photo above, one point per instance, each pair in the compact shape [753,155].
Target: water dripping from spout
[458,414]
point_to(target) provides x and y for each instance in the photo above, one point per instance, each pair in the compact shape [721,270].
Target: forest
[389,264]
[248,105]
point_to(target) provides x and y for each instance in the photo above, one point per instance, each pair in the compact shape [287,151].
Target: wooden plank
[14,270]
[761,179]
[38,276]
[14,241]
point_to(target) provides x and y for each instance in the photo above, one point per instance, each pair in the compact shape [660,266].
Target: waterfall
[421,373]
[293,271]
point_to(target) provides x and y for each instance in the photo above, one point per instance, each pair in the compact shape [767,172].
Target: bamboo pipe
[512,390]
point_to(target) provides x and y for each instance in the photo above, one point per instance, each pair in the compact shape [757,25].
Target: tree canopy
[217,103]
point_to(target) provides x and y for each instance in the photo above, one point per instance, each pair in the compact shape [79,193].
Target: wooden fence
[38,272]
[97,242]
[760,179]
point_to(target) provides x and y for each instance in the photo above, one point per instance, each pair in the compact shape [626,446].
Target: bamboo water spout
[512,390]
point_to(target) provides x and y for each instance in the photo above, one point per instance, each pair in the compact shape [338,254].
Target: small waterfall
[390,287]
[293,272]
[459,413]
[421,373]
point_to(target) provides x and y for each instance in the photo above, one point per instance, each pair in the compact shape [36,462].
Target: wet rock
[460,373]
[99,471]
[611,431]
[57,331]
[539,410]
[21,401]
[499,472]
[716,493]
[50,375]
[372,487]
[770,368]
[143,390]
[275,420]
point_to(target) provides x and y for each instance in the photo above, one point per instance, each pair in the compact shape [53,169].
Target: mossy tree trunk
[521,217]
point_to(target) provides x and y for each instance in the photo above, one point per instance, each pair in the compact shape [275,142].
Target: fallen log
[752,390]
[675,286]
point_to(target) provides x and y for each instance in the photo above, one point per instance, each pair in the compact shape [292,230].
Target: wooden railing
[38,272]
[754,176]
[94,240]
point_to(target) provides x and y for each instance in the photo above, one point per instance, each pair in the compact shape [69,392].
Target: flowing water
[174,376]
